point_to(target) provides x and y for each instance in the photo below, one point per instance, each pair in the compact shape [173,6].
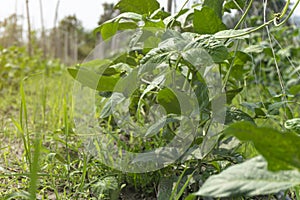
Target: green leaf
[233,114]
[165,187]
[281,150]
[109,29]
[249,178]
[216,5]
[293,125]
[254,49]
[215,48]
[206,21]
[198,57]
[138,6]
[190,197]
[273,109]
[231,94]
[154,23]
[94,81]
[257,108]
[201,91]
[156,127]
[295,89]
[127,25]
[169,101]
[97,63]
[219,53]
[241,58]
[123,21]
[159,14]
[193,153]
[115,99]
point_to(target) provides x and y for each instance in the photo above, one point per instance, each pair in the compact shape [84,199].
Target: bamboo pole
[29,28]
[43,38]
[170,5]
[55,38]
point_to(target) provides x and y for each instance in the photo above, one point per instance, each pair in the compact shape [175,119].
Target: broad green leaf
[257,108]
[156,127]
[215,48]
[138,6]
[216,5]
[106,67]
[129,16]
[198,57]
[295,89]
[273,109]
[159,14]
[231,94]
[115,99]
[109,29]
[106,110]
[97,63]
[157,81]
[212,136]
[249,178]
[94,81]
[293,125]
[241,58]
[171,34]
[165,187]
[201,91]
[254,49]
[127,25]
[281,150]
[119,68]
[123,21]
[206,21]
[198,51]
[190,197]
[128,84]
[125,58]
[219,53]
[161,54]
[233,114]
[167,98]
[193,153]
[153,59]
[174,43]
[154,23]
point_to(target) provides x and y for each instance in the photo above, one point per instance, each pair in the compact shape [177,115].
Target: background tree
[73,42]
[108,12]
[11,31]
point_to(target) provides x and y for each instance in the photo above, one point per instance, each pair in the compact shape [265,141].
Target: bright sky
[88,11]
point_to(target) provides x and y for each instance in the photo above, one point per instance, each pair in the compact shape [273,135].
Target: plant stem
[244,15]
[265,24]
[285,9]
[246,33]
[289,15]
[176,16]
